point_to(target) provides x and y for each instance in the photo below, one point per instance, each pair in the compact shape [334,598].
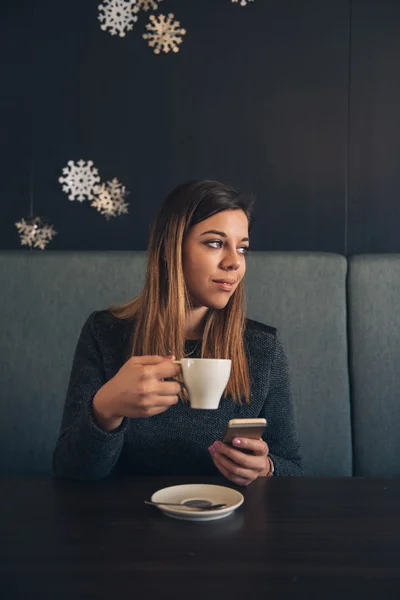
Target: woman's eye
[215,242]
[218,244]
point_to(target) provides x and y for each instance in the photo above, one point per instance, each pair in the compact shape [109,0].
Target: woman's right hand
[137,390]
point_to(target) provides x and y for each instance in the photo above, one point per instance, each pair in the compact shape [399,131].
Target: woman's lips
[226,287]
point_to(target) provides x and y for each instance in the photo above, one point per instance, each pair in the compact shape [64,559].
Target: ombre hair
[159,312]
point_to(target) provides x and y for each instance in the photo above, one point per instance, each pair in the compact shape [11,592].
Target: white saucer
[217,494]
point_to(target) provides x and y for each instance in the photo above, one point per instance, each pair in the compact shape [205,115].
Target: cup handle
[176,362]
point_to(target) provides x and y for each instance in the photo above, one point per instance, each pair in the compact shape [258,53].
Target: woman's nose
[231,261]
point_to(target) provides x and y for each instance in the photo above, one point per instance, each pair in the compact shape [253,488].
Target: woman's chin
[217,303]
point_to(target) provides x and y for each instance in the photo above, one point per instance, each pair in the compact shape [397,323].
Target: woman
[125,410]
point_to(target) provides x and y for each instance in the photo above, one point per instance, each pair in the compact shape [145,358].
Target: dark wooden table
[292,538]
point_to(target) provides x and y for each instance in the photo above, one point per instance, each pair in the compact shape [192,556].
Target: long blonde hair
[160,311]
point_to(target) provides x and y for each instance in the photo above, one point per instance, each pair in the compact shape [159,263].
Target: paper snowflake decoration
[110,201]
[80,180]
[34,233]
[164,33]
[146,5]
[117,16]
[242,2]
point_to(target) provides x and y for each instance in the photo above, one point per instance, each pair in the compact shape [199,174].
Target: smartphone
[246,428]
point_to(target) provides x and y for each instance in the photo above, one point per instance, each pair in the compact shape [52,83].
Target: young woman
[126,411]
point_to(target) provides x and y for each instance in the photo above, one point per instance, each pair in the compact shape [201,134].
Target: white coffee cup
[205,380]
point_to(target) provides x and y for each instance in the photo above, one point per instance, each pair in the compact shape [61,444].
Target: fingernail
[211,449]
[237,442]
[217,445]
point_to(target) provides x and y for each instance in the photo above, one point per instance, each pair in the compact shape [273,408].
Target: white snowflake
[110,201]
[80,180]
[34,233]
[146,5]
[242,2]
[165,33]
[117,16]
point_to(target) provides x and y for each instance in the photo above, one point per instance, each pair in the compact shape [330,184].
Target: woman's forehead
[230,222]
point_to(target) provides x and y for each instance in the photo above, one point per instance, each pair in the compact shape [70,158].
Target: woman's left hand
[239,467]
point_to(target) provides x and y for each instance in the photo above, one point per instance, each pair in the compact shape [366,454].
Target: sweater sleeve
[84,451]
[281,435]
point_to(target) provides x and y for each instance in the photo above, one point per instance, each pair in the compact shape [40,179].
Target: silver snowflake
[117,16]
[110,201]
[80,180]
[242,2]
[34,233]
[146,5]
[165,33]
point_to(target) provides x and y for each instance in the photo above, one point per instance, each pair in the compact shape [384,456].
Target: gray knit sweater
[176,441]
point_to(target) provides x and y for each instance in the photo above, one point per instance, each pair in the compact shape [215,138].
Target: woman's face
[214,260]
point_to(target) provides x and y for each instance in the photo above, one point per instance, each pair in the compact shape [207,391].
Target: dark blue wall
[296,102]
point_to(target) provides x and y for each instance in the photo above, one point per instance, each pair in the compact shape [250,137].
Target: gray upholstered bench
[310,297]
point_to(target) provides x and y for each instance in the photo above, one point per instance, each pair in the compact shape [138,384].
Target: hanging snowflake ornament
[80,180]
[242,2]
[110,201]
[164,33]
[146,5]
[35,233]
[117,16]
[103,203]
